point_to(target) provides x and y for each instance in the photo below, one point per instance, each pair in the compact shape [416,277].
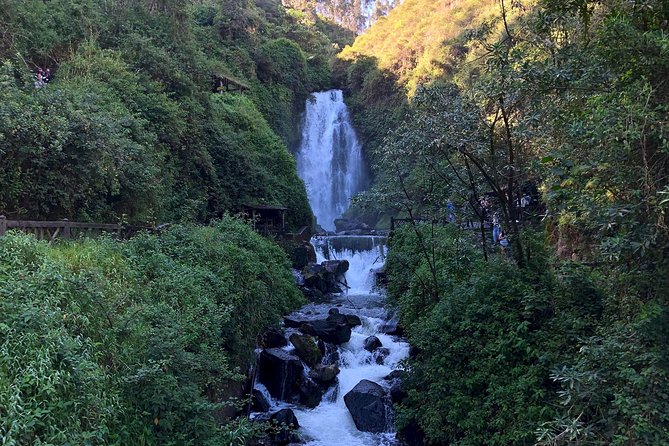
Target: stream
[353,409]
[330,423]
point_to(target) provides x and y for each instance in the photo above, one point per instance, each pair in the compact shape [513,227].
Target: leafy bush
[137,342]
[478,377]
[497,343]
[128,122]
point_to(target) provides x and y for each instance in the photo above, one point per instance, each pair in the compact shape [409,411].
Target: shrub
[137,342]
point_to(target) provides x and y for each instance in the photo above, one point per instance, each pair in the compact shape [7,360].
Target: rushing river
[330,423]
[331,164]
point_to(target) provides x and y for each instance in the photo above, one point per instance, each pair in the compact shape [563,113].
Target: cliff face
[421,39]
[354,15]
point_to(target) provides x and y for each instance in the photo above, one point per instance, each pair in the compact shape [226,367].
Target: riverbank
[140,341]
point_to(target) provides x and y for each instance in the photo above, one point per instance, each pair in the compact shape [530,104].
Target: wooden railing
[65,229]
[469,224]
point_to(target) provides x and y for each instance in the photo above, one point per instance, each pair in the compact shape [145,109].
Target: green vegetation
[562,342]
[134,343]
[129,127]
[426,38]
[512,356]
[565,343]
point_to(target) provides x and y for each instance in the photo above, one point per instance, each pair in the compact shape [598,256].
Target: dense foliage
[427,38]
[129,123]
[133,343]
[509,356]
[565,103]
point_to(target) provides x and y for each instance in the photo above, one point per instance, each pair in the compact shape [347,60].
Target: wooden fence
[470,224]
[65,229]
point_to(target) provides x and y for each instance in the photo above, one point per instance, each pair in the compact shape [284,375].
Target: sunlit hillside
[419,39]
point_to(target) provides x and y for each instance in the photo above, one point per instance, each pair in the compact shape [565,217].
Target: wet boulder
[330,353]
[318,277]
[313,294]
[392,327]
[345,225]
[328,331]
[334,329]
[336,267]
[395,374]
[396,389]
[286,424]
[296,321]
[369,406]
[281,372]
[273,338]
[380,355]
[397,392]
[324,374]
[310,393]
[259,402]
[372,343]
[341,318]
[307,349]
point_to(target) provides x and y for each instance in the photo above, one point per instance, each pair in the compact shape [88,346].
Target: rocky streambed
[332,370]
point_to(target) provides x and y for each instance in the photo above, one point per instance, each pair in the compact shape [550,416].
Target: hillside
[530,156]
[130,124]
[419,40]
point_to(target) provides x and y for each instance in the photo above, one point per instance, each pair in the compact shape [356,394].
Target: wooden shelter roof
[229,80]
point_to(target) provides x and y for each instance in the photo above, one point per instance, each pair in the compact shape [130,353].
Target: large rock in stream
[310,393]
[372,343]
[334,329]
[369,406]
[259,403]
[273,338]
[319,278]
[307,349]
[282,373]
[336,267]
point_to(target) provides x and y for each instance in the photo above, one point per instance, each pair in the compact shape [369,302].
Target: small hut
[266,219]
[225,84]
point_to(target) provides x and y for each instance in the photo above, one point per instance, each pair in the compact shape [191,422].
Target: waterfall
[365,254]
[330,158]
[331,164]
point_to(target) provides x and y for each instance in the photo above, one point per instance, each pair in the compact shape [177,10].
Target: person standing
[451,211]
[495,228]
[39,78]
[504,244]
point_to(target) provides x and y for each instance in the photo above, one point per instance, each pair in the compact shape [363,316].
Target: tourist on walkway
[504,244]
[495,228]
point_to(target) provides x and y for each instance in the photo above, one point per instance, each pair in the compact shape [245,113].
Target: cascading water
[330,424]
[330,157]
[331,164]
[365,254]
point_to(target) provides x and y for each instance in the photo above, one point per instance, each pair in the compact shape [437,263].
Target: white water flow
[331,164]
[330,424]
[329,159]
